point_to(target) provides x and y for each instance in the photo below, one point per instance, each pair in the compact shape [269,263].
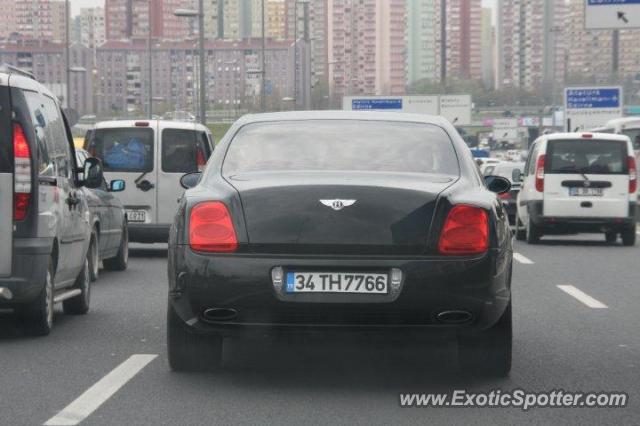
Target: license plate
[337,282]
[586,192]
[136,215]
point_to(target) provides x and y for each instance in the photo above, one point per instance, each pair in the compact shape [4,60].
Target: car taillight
[22,173]
[540,174]
[504,196]
[211,228]
[465,231]
[200,160]
[633,176]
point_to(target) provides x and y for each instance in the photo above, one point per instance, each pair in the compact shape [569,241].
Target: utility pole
[295,55]
[203,71]
[443,42]
[615,48]
[67,59]
[150,62]
[263,96]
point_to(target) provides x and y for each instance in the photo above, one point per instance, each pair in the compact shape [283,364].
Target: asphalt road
[561,342]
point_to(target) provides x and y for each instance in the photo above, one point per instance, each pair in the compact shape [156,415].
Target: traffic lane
[608,273]
[40,375]
[558,344]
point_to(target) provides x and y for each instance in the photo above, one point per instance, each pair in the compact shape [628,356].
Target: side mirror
[190,180]
[516,175]
[497,184]
[93,174]
[117,185]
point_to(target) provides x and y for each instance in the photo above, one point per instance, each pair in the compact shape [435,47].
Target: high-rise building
[422,35]
[92,27]
[126,19]
[463,39]
[366,47]
[58,20]
[316,21]
[531,43]
[7,18]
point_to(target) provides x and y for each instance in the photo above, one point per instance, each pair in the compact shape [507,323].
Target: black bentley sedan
[350,221]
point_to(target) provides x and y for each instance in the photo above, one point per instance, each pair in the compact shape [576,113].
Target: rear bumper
[30,262]
[558,224]
[481,287]
[143,233]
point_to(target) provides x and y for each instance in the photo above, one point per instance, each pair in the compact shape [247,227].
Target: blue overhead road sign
[593,98]
[373,104]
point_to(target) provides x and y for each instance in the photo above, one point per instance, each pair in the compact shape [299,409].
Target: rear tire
[611,237]
[94,257]
[629,236]
[521,233]
[79,305]
[533,233]
[188,351]
[120,262]
[488,352]
[38,314]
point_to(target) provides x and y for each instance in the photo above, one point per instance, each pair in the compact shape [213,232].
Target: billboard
[589,107]
[456,108]
[612,14]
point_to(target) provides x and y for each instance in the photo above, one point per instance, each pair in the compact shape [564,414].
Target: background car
[109,229]
[308,221]
[509,170]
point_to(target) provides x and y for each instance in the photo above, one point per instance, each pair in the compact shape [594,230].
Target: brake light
[633,175]
[200,160]
[504,196]
[211,228]
[540,174]
[587,136]
[465,231]
[142,124]
[22,173]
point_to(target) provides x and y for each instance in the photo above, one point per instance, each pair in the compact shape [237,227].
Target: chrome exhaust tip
[454,317]
[5,293]
[219,314]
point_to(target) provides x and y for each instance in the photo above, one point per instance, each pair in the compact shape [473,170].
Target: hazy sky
[77,4]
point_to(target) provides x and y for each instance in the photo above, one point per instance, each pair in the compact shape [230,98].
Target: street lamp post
[263,95]
[67,59]
[187,13]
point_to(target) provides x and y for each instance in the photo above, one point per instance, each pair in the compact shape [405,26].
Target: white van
[628,126]
[150,156]
[579,182]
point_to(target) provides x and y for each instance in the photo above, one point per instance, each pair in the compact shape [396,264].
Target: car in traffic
[150,156]
[579,182]
[509,170]
[45,236]
[109,231]
[307,221]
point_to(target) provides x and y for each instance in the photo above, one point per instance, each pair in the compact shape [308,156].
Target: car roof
[162,124]
[26,83]
[344,115]
[622,121]
[578,135]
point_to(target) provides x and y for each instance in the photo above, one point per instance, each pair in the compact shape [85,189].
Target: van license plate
[136,215]
[586,192]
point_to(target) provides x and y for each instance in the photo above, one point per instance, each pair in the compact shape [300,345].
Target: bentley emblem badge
[338,204]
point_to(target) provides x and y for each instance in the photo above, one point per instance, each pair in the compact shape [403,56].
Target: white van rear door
[128,153]
[586,178]
[181,151]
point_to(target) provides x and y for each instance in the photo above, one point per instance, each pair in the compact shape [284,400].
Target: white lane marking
[582,296]
[101,391]
[522,259]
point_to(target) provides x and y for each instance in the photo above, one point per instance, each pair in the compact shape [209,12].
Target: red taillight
[540,174]
[200,160]
[141,124]
[466,231]
[22,184]
[211,228]
[587,136]
[504,196]
[633,175]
